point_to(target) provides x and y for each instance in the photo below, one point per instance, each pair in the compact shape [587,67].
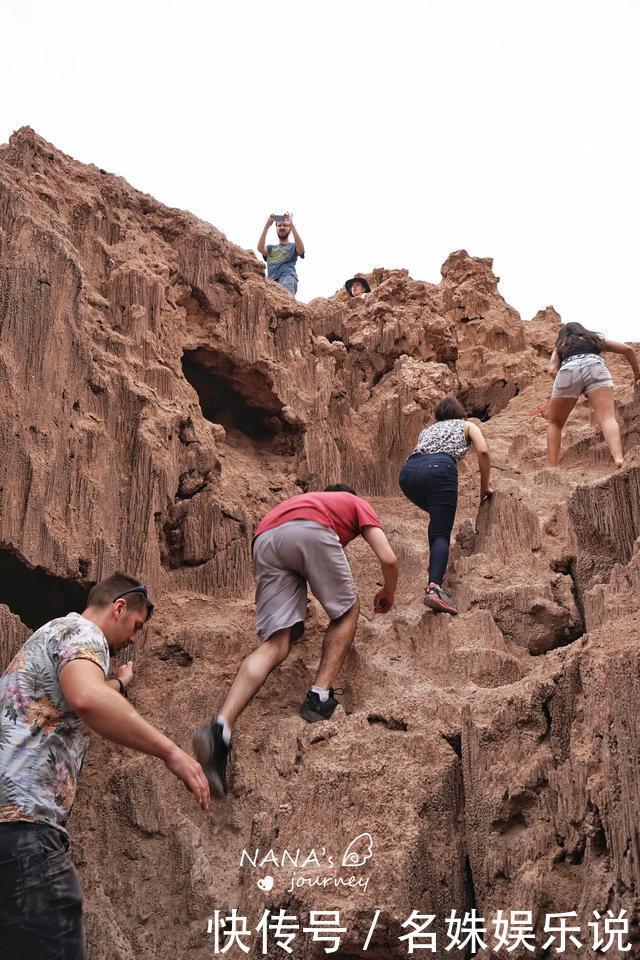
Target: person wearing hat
[357,287]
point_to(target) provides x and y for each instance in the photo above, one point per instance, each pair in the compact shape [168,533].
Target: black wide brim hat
[350,283]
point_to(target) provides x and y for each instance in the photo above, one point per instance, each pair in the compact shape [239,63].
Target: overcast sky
[395,132]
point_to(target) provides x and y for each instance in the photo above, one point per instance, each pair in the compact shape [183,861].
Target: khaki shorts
[580,375]
[288,557]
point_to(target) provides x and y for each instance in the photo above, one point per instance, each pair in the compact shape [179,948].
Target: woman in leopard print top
[429,479]
[444,436]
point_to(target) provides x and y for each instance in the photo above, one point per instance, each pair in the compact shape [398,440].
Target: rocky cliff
[158,396]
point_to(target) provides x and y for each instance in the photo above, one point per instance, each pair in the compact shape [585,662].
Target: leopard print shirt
[444,436]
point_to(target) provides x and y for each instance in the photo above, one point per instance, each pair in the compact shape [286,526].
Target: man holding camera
[281,257]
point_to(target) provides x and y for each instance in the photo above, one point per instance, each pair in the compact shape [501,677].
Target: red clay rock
[159,396]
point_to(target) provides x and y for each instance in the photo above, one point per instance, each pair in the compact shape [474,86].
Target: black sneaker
[439,599]
[212,753]
[313,709]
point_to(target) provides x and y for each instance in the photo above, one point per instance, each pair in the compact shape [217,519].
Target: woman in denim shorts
[579,368]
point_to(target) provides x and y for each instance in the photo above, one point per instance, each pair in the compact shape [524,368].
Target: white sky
[395,132]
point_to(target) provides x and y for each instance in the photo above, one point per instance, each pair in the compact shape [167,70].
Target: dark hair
[572,332]
[110,589]
[339,488]
[450,409]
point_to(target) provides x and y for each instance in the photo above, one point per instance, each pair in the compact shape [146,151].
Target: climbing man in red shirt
[297,543]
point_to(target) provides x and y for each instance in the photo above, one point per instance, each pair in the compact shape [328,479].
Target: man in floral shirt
[52,695]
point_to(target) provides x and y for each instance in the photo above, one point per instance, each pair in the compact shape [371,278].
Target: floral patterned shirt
[42,741]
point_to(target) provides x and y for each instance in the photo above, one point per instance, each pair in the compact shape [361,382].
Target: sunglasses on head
[142,590]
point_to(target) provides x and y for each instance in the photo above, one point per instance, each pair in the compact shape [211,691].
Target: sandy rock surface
[158,397]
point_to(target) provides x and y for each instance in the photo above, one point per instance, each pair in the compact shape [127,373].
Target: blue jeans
[289,282]
[40,895]
[430,480]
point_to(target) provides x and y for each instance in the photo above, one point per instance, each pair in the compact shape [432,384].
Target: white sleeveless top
[444,436]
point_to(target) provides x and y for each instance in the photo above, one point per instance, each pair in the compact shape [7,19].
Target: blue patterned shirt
[281,260]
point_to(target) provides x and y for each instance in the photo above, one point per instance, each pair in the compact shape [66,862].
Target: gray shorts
[286,559]
[581,374]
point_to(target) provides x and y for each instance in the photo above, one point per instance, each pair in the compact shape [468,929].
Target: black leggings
[430,480]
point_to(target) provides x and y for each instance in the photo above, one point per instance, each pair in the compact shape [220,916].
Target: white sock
[226,729]
[322,693]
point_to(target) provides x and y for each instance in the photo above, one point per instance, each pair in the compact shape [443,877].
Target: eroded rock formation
[158,396]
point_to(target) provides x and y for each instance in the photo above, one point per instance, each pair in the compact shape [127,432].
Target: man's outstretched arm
[377,540]
[296,236]
[88,693]
[262,242]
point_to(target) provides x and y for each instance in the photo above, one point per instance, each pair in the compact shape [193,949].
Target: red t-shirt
[342,512]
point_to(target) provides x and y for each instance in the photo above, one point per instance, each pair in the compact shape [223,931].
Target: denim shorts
[581,374]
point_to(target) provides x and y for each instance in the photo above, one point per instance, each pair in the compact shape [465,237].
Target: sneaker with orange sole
[438,599]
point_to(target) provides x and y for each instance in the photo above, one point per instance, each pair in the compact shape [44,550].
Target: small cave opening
[455,742]
[377,377]
[547,716]
[36,596]
[389,722]
[482,404]
[480,413]
[241,398]
[567,565]
[477,405]
[598,837]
